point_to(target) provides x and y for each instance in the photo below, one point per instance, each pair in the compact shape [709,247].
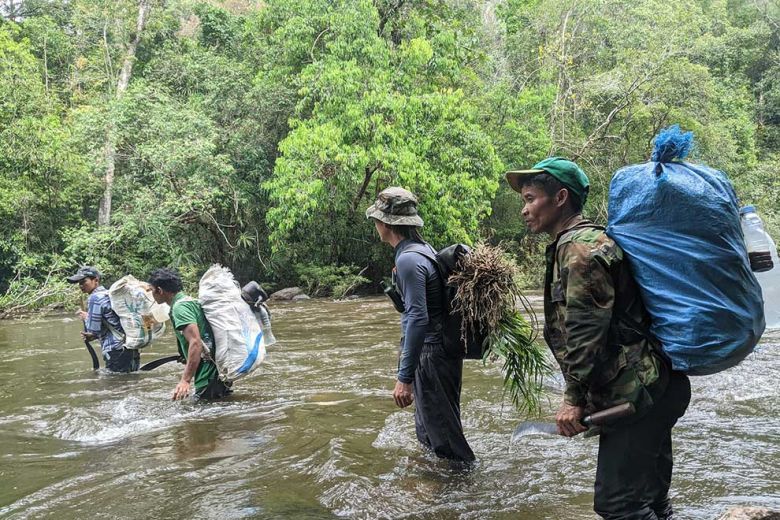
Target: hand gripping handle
[609,415]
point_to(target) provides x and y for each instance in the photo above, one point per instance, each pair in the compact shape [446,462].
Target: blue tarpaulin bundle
[678,224]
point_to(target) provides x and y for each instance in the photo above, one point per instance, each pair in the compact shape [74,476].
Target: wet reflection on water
[315,434]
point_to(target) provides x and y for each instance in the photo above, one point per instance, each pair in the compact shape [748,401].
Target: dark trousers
[122,360]
[215,389]
[437,383]
[635,461]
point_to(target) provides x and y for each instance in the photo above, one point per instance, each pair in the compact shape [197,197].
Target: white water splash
[113,420]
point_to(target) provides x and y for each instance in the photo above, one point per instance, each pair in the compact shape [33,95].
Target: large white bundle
[141,317]
[239,341]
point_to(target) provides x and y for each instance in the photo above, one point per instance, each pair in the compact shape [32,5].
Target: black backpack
[445,262]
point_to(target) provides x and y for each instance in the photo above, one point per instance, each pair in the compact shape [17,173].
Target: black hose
[95,363]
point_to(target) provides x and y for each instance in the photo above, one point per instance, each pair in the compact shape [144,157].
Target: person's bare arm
[194,352]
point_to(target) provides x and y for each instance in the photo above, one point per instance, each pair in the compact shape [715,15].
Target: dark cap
[397,207]
[567,173]
[85,271]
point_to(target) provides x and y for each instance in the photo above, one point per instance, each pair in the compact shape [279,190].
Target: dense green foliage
[255,134]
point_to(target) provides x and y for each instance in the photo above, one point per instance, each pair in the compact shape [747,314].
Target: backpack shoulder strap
[428,253]
[569,234]
[424,249]
[620,315]
[183,299]
[209,353]
[116,333]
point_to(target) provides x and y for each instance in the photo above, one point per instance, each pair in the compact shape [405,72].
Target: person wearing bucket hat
[594,323]
[395,207]
[101,322]
[427,375]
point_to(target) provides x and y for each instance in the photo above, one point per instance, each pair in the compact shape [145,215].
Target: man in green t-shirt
[194,336]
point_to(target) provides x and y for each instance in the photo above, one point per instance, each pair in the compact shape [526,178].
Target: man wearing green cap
[598,330]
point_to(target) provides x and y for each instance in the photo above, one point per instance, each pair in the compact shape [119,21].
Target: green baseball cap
[567,172]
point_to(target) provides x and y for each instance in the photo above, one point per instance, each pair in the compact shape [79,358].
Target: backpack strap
[430,255]
[207,351]
[620,313]
[121,336]
[183,299]
[116,333]
[567,235]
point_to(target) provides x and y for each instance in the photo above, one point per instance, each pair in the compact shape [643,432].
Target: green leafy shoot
[524,361]
[487,297]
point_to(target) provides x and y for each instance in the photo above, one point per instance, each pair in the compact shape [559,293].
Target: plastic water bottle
[765,263]
[770,287]
[160,312]
[756,240]
[265,323]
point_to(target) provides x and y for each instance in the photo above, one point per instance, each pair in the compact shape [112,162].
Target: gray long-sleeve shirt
[419,284]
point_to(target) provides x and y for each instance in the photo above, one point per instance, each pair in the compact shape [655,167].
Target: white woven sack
[240,346]
[142,319]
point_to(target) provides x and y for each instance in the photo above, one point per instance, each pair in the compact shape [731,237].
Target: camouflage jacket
[596,323]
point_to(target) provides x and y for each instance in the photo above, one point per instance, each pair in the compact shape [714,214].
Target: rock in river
[287,294]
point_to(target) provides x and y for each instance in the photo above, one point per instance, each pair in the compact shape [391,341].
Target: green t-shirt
[185,310]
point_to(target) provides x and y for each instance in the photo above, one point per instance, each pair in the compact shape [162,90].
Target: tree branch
[386,15]
[366,180]
[622,104]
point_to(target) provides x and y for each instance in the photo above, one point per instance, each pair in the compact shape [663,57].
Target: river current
[314,434]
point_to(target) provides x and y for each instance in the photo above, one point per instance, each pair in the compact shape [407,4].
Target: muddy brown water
[314,434]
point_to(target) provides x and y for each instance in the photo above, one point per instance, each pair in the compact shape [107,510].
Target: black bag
[445,262]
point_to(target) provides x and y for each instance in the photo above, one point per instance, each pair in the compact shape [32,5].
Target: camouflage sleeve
[589,294]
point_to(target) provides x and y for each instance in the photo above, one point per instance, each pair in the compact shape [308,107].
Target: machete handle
[609,415]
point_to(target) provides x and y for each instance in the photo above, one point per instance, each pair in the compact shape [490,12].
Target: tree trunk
[104,211]
[11,10]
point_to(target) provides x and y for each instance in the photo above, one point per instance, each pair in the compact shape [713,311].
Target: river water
[315,434]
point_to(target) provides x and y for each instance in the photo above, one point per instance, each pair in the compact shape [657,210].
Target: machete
[95,363]
[158,362]
[595,419]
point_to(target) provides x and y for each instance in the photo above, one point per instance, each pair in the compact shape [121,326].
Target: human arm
[412,275]
[92,318]
[588,290]
[194,352]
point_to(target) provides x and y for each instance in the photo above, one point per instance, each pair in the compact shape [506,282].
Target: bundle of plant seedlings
[490,302]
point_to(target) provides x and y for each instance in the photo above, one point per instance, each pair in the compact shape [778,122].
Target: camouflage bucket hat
[397,207]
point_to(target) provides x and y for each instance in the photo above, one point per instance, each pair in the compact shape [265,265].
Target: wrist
[574,395]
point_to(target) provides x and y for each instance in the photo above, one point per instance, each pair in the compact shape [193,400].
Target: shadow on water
[315,435]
